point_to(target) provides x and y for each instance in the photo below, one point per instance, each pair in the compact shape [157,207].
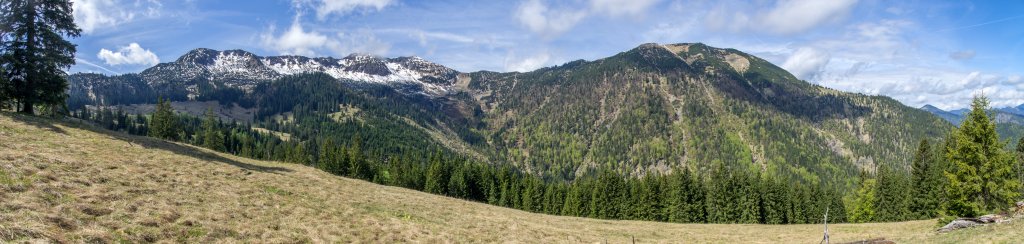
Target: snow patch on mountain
[244,69]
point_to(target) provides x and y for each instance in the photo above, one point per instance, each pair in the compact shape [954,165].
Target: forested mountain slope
[650,109]
[660,106]
[69,182]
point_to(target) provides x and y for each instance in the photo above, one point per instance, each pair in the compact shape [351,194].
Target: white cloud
[793,16]
[807,63]
[784,17]
[360,41]
[537,17]
[550,21]
[526,64]
[92,15]
[621,7]
[133,54]
[326,8]
[962,55]
[297,41]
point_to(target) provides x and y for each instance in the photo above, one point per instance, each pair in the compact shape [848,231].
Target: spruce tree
[163,123]
[213,138]
[436,179]
[980,176]
[891,198]
[607,196]
[775,201]
[575,200]
[358,167]
[926,176]
[720,201]
[457,186]
[34,51]
[1020,163]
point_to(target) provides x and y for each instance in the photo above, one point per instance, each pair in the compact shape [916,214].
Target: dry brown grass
[68,183]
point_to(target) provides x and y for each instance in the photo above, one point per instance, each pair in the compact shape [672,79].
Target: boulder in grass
[961,223]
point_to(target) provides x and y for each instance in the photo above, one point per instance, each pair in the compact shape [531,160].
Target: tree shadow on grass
[38,122]
[146,142]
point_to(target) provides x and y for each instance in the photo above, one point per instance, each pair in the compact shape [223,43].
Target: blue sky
[919,52]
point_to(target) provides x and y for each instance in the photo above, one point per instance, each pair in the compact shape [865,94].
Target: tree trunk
[27,108]
[30,46]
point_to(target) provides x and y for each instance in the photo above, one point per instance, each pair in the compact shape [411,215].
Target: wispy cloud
[93,15]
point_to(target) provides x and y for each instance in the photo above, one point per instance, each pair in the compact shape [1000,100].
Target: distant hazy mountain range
[1009,120]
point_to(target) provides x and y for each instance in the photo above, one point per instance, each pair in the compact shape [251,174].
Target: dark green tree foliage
[607,196]
[684,201]
[164,124]
[358,165]
[437,176]
[34,51]
[1020,163]
[980,174]
[775,204]
[213,137]
[927,183]
[647,202]
[892,201]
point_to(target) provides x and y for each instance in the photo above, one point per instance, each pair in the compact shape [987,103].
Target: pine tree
[437,178]
[1020,163]
[926,176]
[213,138]
[775,201]
[891,198]
[980,175]
[457,186]
[164,124]
[575,200]
[358,167]
[721,197]
[607,196]
[34,51]
[645,200]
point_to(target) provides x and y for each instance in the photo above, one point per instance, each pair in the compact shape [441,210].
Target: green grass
[155,191]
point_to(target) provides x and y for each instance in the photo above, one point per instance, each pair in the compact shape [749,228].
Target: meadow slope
[67,182]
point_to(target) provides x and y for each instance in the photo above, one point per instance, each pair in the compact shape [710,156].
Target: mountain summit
[242,69]
[651,109]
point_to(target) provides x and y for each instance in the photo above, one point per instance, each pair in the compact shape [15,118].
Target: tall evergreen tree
[35,52]
[607,195]
[213,138]
[457,186]
[926,176]
[980,175]
[775,201]
[163,123]
[891,198]
[358,167]
[1020,163]
[437,177]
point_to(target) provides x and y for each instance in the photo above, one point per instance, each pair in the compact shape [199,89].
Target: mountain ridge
[649,109]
